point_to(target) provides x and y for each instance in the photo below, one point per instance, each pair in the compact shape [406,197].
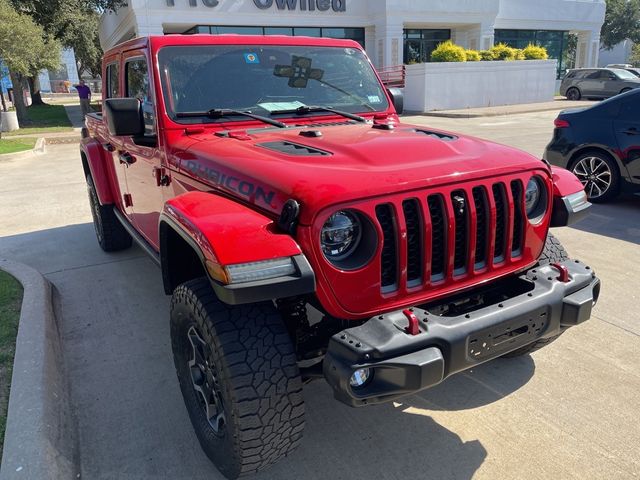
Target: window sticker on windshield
[275,106]
[251,58]
[374,99]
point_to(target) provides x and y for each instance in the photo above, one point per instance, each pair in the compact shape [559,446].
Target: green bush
[535,52]
[486,55]
[448,52]
[472,55]
[502,51]
[519,54]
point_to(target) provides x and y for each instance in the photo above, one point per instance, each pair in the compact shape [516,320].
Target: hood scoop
[291,148]
[440,136]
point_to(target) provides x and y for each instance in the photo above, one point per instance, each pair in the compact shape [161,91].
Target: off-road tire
[552,252]
[256,374]
[574,94]
[110,233]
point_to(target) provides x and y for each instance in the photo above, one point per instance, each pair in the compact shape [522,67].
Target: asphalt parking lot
[568,411]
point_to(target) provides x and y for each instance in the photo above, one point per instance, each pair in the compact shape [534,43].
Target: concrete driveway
[568,411]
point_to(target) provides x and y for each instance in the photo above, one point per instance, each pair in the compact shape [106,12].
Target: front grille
[500,200]
[438,236]
[482,225]
[412,216]
[389,256]
[518,217]
[447,236]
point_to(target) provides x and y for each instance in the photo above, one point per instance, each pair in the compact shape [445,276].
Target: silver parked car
[597,83]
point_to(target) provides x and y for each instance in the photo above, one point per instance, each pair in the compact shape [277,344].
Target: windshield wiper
[305,109]
[226,112]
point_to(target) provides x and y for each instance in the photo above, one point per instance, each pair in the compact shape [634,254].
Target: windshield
[270,80]
[624,75]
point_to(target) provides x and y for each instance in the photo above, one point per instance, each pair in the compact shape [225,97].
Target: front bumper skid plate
[404,363]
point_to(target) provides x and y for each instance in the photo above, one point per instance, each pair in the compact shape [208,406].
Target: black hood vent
[326,124]
[291,148]
[440,136]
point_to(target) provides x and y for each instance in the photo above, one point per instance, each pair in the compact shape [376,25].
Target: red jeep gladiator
[303,231]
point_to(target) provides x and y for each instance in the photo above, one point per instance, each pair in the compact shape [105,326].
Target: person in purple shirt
[84,92]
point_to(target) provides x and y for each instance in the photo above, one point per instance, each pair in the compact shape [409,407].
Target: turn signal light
[252,271]
[559,123]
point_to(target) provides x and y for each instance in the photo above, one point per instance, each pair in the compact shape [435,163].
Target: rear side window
[595,75]
[113,89]
[137,75]
[571,74]
[630,108]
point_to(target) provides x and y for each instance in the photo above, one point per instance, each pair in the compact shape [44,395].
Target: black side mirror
[397,97]
[124,117]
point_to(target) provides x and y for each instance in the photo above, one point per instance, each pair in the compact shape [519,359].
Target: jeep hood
[342,163]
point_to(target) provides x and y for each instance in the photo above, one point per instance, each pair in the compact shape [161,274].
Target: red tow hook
[414,327]
[564,272]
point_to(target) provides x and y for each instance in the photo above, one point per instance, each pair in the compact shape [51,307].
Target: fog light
[360,377]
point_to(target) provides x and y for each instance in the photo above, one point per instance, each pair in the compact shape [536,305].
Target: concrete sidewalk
[557,104]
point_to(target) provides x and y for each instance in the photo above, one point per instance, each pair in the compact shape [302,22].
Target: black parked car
[600,145]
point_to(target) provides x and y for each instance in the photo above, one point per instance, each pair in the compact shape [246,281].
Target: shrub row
[450,52]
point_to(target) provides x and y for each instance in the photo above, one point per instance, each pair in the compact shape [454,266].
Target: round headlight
[340,235]
[532,197]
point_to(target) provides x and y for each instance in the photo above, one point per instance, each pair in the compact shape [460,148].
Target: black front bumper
[402,363]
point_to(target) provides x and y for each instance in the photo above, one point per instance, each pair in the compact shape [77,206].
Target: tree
[635,55]
[621,22]
[26,50]
[74,23]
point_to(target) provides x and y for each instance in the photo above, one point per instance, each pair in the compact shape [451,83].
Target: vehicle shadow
[619,219]
[132,420]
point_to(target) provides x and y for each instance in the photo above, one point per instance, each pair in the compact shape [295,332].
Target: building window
[420,43]
[555,41]
[356,34]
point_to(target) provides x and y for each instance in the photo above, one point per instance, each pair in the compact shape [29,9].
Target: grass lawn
[44,119]
[10,301]
[8,145]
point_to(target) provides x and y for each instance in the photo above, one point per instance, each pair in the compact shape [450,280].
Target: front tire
[553,252]
[239,378]
[110,233]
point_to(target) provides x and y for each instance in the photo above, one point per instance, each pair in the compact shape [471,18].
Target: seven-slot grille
[450,235]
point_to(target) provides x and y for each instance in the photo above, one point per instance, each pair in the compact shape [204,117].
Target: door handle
[631,131]
[126,158]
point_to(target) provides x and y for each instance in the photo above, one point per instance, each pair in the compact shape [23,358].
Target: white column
[388,43]
[588,49]
[487,34]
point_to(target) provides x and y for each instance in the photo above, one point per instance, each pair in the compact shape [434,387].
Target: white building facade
[392,31]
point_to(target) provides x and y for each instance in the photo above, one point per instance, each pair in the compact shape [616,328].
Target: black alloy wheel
[204,380]
[573,94]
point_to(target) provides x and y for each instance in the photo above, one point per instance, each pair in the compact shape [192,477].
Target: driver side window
[137,79]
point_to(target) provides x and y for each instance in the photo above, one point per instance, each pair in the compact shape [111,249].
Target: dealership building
[392,31]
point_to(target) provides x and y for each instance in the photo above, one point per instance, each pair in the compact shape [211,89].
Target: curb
[39,148]
[463,114]
[40,438]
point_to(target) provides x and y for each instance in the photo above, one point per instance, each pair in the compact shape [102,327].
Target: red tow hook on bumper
[564,272]
[414,327]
